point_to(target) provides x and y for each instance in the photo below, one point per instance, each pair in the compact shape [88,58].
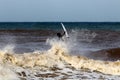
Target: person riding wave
[60,35]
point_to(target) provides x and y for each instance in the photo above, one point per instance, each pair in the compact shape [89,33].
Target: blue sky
[59,10]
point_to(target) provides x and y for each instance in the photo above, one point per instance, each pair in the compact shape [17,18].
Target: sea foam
[57,56]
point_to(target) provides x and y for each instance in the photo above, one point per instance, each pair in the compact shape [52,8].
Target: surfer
[60,35]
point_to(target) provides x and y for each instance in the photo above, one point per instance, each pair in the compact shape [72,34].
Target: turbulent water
[89,53]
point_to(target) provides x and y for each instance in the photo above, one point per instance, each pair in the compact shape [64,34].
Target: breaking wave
[58,55]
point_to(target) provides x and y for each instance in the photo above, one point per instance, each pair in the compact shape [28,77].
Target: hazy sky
[59,10]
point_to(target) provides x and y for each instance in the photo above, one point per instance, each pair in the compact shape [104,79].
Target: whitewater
[55,63]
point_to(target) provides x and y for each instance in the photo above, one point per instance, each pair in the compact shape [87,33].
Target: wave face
[55,63]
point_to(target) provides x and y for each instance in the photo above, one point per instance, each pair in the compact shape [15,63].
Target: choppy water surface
[90,52]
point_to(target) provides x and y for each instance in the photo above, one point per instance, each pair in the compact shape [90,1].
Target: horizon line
[60,21]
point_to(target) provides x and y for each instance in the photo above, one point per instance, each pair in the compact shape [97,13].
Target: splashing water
[57,57]
[9,48]
[7,74]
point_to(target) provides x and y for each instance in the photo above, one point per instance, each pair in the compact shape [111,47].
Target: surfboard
[66,33]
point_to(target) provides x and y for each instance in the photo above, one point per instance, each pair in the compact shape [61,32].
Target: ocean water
[32,51]
[57,26]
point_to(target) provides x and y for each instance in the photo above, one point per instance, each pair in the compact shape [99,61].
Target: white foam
[36,63]
[7,74]
[9,48]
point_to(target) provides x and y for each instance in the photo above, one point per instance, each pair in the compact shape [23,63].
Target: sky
[59,10]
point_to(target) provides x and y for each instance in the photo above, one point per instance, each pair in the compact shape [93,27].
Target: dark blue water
[57,25]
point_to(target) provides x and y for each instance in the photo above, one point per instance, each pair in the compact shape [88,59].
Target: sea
[32,51]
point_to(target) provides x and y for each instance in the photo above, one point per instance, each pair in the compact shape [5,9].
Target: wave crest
[58,55]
